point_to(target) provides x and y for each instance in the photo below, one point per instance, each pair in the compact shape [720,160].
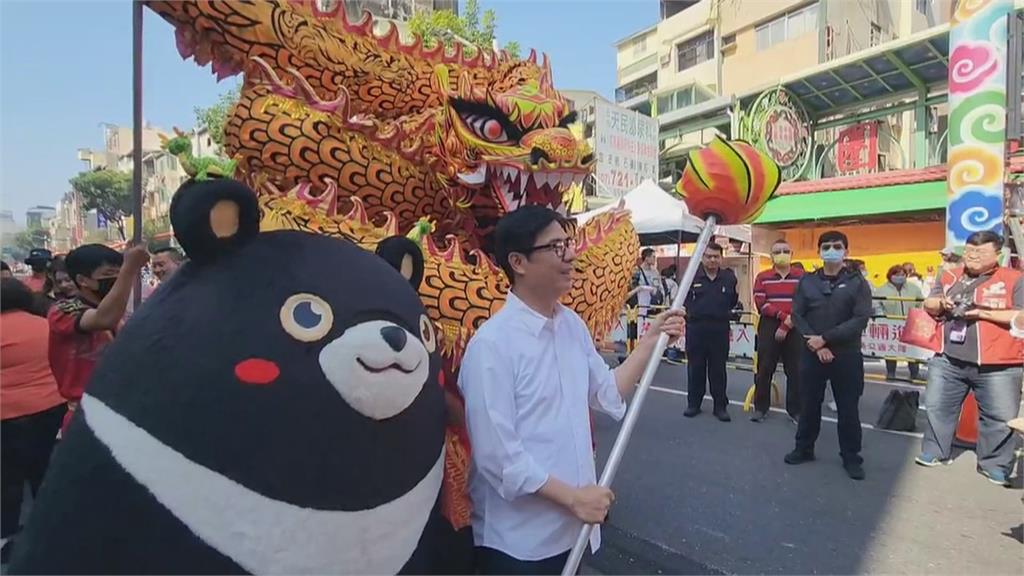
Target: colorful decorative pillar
[977,118]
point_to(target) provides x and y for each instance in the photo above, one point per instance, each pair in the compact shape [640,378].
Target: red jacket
[773,294]
[995,345]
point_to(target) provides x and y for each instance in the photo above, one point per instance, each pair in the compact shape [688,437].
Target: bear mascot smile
[272,409]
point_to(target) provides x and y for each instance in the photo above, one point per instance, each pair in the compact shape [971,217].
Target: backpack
[899,411]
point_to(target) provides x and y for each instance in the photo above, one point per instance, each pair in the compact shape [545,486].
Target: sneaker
[722,415]
[996,477]
[832,406]
[929,461]
[798,456]
[854,470]
[759,416]
[691,412]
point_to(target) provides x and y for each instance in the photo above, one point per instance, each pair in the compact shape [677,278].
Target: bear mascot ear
[213,216]
[405,256]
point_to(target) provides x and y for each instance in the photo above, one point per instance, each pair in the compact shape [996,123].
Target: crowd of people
[54,326]
[531,373]
[812,322]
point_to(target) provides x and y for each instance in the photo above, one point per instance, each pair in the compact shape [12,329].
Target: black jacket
[712,300]
[837,309]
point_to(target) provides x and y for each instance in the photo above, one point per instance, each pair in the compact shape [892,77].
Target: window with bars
[876,35]
[695,51]
[787,27]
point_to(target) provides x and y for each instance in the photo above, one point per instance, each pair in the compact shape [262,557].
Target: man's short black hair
[174,253]
[14,295]
[4,266]
[715,247]
[646,252]
[517,231]
[833,236]
[86,259]
[985,237]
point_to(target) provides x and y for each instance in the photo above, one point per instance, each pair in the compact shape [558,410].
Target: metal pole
[633,414]
[137,139]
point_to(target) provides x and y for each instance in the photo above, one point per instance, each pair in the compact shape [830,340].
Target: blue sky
[65,68]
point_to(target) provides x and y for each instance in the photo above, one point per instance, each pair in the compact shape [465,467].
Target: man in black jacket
[831,309]
[709,307]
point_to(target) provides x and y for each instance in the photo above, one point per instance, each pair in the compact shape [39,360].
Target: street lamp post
[137,138]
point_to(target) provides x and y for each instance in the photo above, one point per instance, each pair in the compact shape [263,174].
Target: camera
[960,308]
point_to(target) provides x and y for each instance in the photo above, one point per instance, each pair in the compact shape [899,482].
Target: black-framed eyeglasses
[559,247]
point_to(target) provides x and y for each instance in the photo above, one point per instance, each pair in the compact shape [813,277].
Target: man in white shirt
[529,376]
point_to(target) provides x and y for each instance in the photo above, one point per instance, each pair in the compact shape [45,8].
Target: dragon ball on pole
[727,182]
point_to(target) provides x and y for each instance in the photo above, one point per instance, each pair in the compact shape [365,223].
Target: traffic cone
[967,428]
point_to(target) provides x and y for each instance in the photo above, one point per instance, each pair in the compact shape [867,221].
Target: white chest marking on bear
[262,535]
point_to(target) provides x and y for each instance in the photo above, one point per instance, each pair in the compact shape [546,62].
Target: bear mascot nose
[394,336]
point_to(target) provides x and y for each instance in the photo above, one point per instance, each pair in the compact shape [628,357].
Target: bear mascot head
[274,408]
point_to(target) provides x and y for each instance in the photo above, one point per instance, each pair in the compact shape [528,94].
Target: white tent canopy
[654,211]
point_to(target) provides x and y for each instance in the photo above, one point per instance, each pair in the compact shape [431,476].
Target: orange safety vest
[995,345]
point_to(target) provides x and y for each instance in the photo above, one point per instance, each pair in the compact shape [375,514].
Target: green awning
[856,202]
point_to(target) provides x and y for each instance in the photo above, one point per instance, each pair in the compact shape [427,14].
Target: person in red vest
[976,304]
[773,295]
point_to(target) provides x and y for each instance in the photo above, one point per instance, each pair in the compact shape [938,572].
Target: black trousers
[769,352]
[707,349]
[846,374]
[27,442]
[491,561]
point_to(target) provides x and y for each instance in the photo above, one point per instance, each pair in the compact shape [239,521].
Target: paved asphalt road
[701,496]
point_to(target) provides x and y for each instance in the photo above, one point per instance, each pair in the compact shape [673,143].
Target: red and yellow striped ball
[731,180]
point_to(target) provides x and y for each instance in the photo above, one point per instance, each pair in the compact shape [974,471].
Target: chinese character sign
[857,148]
[626,148]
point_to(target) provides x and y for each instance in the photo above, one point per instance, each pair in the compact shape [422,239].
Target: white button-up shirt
[528,381]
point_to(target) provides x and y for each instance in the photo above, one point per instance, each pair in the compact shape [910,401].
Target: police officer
[709,306]
[831,309]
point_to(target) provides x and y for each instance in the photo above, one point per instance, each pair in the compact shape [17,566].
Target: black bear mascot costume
[272,409]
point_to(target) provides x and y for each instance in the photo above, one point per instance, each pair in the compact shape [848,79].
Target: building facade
[849,97]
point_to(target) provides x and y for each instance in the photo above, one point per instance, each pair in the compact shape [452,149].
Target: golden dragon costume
[346,132]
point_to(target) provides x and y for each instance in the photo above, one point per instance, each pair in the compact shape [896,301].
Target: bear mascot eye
[427,334]
[306,317]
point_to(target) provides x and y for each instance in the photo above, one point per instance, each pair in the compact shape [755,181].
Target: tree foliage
[447,27]
[31,238]
[108,192]
[214,117]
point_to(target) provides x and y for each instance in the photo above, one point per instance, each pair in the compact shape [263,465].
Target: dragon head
[467,137]
[508,144]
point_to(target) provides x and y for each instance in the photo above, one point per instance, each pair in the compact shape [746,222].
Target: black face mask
[104,286]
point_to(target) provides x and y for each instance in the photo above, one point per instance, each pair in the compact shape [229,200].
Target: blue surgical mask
[833,255]
[898,280]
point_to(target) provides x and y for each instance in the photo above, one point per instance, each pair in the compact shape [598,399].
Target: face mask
[864,273]
[104,286]
[782,259]
[833,255]
[898,280]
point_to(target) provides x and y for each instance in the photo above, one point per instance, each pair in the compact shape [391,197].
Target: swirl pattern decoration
[977,118]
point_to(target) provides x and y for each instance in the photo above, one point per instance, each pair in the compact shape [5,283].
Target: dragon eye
[486,128]
[306,317]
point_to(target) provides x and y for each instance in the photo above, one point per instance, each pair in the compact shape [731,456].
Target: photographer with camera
[647,290]
[975,305]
